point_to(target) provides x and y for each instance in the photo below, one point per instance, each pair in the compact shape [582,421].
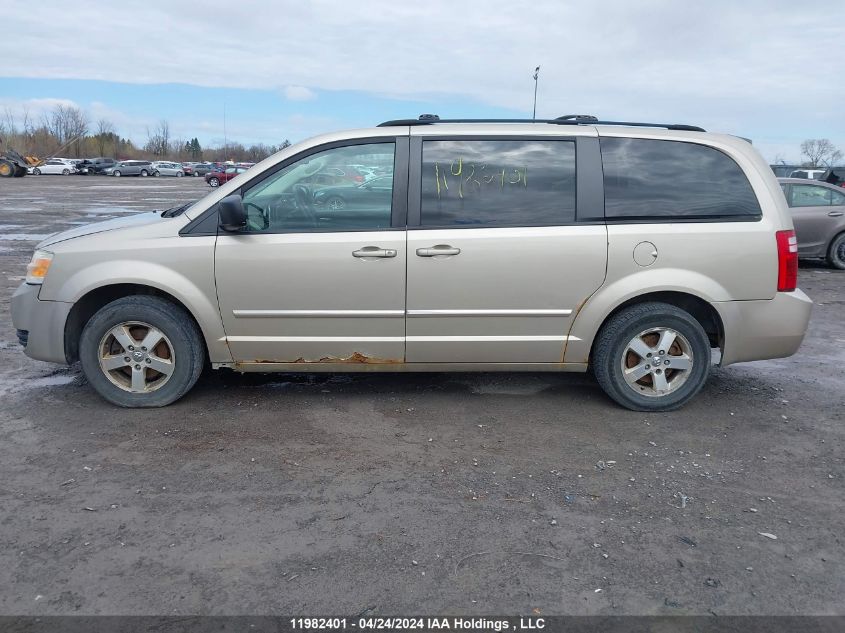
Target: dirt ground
[426,494]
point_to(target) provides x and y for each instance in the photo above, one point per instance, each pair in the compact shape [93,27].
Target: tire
[66,172]
[214,182]
[836,252]
[156,173]
[7,169]
[648,323]
[36,172]
[116,174]
[144,173]
[180,352]
[179,174]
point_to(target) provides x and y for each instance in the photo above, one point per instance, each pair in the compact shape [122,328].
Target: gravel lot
[398,494]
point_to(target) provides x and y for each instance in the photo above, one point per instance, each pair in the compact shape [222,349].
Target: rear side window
[492,183]
[812,196]
[653,179]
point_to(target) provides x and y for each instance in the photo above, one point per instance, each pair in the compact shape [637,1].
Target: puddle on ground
[91,211]
[23,237]
[11,383]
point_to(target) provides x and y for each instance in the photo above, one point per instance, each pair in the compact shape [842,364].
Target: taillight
[787,261]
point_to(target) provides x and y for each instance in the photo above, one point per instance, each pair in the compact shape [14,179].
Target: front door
[498,265]
[311,282]
[812,208]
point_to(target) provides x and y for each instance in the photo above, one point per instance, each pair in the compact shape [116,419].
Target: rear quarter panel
[715,261]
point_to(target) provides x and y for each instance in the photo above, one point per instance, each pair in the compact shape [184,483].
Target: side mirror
[232,213]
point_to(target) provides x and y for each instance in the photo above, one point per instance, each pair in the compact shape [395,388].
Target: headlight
[37,269]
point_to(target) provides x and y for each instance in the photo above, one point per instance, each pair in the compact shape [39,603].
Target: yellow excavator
[14,165]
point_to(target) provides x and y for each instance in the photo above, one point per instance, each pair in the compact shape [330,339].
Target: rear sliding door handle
[440,249]
[835,214]
[374,251]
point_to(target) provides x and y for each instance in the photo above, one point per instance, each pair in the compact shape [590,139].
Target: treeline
[68,131]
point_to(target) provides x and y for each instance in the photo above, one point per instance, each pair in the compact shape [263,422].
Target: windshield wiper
[174,211]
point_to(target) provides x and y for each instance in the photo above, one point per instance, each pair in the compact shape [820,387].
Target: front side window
[476,184]
[810,196]
[646,179]
[310,195]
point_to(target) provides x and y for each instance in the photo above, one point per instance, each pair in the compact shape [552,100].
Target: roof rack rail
[568,119]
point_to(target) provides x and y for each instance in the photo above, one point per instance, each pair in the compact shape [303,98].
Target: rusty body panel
[380,365]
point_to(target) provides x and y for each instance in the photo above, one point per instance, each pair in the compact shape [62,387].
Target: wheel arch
[701,310]
[597,310]
[89,303]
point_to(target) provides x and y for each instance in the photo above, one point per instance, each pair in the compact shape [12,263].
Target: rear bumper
[758,330]
[43,323]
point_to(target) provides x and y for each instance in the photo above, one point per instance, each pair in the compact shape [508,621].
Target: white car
[164,168]
[55,166]
[809,174]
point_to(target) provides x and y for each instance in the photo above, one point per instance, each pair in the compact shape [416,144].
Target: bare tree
[158,140]
[77,128]
[820,152]
[105,134]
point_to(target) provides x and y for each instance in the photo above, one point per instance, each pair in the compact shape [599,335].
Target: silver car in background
[557,245]
[130,168]
[818,212]
[165,168]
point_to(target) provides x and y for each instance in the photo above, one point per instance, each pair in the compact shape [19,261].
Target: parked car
[85,167]
[834,176]
[201,169]
[55,166]
[558,245]
[130,168]
[350,198]
[165,168]
[784,170]
[188,169]
[809,174]
[217,178]
[818,212]
[100,164]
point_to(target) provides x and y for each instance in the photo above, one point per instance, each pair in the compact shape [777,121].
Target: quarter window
[648,179]
[497,183]
[324,192]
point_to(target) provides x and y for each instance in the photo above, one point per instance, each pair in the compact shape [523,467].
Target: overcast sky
[771,71]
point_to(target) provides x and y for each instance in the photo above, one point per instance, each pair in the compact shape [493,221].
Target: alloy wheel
[136,357]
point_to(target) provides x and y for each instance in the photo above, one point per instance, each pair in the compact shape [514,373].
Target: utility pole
[536,75]
[225,139]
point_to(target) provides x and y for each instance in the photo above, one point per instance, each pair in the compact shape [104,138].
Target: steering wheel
[304,209]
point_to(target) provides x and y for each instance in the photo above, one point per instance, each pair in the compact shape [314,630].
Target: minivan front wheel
[836,252]
[141,351]
[652,357]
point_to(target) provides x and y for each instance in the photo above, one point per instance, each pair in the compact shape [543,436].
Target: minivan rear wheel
[836,252]
[651,357]
[141,351]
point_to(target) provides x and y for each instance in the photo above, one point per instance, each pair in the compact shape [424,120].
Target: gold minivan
[633,250]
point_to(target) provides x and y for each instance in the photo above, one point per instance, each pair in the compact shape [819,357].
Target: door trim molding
[488,313]
[310,314]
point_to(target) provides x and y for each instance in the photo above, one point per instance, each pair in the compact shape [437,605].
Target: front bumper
[42,321]
[759,330]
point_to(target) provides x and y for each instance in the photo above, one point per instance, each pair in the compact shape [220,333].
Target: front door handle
[836,214]
[374,251]
[440,249]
